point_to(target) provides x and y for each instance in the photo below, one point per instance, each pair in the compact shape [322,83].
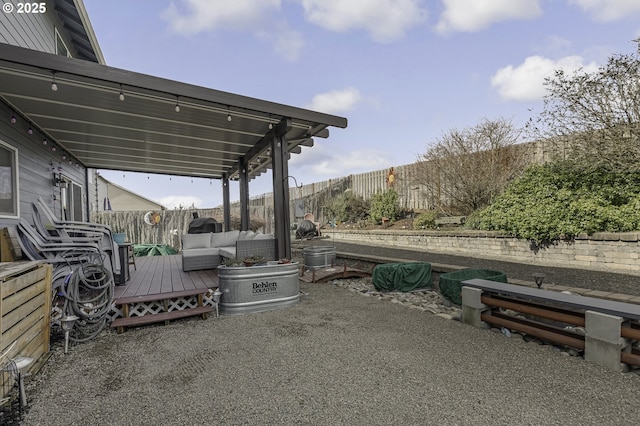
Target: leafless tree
[593,119]
[464,169]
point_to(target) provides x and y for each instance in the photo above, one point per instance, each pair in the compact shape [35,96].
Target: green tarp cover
[402,276]
[153,250]
[451,283]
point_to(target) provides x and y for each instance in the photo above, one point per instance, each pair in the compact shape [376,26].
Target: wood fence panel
[25,313]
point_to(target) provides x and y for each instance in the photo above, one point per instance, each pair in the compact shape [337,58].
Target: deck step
[159,317]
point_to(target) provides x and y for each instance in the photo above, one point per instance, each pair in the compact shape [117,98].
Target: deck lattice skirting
[157,306]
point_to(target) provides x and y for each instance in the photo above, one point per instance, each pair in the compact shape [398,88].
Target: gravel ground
[337,358]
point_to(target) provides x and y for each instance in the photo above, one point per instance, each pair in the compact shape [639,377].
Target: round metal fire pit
[318,257]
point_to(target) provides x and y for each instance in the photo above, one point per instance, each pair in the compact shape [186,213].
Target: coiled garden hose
[88,295]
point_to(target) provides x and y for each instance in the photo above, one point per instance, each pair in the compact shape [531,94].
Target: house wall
[35,31]
[36,164]
[31,30]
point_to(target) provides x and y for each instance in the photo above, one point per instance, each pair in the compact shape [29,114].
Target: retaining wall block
[603,342]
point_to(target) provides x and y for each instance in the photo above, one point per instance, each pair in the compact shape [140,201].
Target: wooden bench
[450,220]
[607,323]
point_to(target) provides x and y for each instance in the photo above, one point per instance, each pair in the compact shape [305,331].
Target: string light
[30,130]
[121,96]
[228,114]
[54,85]
[177,105]
[44,142]
[13,119]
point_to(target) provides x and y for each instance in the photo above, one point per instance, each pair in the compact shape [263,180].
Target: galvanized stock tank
[317,257]
[251,289]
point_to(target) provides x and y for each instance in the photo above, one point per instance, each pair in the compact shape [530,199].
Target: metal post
[244,195]
[226,203]
[281,213]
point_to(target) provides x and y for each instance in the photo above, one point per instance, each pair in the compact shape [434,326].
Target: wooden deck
[159,291]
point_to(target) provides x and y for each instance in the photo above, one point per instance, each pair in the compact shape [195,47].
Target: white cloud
[476,15]
[384,20]
[336,101]
[525,81]
[186,201]
[289,44]
[191,17]
[195,16]
[329,161]
[608,10]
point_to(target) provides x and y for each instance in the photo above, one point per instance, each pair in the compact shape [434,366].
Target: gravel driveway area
[337,358]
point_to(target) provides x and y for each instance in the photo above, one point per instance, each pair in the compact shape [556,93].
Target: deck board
[163,275]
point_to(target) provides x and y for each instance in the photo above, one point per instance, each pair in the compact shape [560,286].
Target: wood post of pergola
[226,203]
[280,169]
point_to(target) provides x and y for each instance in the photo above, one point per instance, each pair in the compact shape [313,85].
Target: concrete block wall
[610,252]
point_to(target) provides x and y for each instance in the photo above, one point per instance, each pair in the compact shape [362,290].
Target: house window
[71,195]
[61,47]
[8,181]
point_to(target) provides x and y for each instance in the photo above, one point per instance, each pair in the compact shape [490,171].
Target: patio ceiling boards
[144,132]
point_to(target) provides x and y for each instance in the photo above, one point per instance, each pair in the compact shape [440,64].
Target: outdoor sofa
[207,250]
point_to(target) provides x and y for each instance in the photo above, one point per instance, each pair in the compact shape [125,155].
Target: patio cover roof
[207,138]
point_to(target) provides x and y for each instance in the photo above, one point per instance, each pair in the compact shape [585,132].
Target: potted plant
[253,260]
[232,262]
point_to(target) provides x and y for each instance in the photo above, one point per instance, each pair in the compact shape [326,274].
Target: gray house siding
[35,169]
[34,31]
[37,162]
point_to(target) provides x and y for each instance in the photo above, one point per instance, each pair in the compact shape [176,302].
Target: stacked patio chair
[84,258]
[64,256]
[53,229]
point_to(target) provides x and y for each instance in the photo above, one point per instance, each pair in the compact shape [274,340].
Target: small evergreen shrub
[384,204]
[426,220]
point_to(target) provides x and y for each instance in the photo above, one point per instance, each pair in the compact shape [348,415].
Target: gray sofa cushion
[224,239]
[228,252]
[196,241]
[261,236]
[195,252]
[246,235]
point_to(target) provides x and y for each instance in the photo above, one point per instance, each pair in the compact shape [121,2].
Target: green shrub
[384,204]
[425,220]
[347,207]
[553,202]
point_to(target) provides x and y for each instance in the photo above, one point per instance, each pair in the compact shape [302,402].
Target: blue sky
[403,72]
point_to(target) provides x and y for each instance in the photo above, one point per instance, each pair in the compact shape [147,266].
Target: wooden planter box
[25,310]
